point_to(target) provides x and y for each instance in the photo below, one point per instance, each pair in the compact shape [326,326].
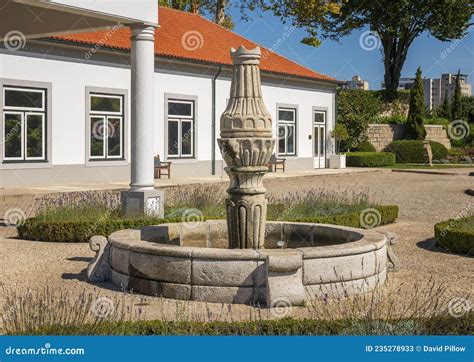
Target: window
[180,128]
[106,126]
[24,124]
[286,131]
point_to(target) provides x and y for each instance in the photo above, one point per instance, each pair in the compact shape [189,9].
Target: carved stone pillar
[246,144]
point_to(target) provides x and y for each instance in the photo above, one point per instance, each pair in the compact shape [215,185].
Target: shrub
[411,151]
[370,159]
[81,231]
[456,235]
[397,309]
[355,110]
[364,146]
[434,325]
[440,121]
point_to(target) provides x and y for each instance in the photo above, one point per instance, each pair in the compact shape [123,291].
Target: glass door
[319,139]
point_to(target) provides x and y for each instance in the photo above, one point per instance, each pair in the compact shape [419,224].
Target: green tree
[467,108]
[456,107]
[355,110]
[397,23]
[340,134]
[445,109]
[216,9]
[415,128]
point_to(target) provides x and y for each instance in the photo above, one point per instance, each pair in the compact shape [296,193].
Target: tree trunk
[395,52]
[220,11]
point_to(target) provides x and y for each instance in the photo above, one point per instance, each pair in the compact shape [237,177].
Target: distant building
[403,84]
[436,89]
[357,83]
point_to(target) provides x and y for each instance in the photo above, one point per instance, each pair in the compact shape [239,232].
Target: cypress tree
[445,109]
[415,127]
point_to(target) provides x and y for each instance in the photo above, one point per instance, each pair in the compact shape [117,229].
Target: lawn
[418,166]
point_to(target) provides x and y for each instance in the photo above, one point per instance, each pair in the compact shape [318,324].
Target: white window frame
[104,95]
[322,112]
[105,115]
[287,125]
[24,89]
[180,119]
[25,127]
[22,135]
[24,112]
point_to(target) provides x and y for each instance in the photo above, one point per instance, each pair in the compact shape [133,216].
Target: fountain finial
[246,144]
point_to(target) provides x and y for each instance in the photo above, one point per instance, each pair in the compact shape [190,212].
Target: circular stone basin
[193,263]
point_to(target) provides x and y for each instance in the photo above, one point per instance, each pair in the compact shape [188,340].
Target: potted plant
[339,133]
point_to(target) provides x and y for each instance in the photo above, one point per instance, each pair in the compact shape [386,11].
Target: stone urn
[246,145]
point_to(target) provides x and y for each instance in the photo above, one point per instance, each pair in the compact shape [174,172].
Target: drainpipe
[214,117]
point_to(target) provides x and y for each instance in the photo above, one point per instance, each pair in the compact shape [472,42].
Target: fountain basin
[193,263]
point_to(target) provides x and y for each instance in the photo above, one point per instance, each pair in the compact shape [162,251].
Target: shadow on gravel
[430,245]
[82,277]
[86,259]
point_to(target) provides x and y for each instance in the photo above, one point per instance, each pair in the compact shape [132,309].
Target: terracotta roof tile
[189,36]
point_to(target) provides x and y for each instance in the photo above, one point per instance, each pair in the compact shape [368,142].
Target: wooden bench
[162,168]
[276,163]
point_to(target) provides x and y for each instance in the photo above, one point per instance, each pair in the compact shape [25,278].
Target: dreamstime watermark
[45,350]
[14,217]
[103,40]
[98,130]
[14,40]
[192,218]
[370,218]
[459,307]
[286,34]
[369,40]
[192,40]
[102,307]
[465,212]
[454,44]
[280,308]
[458,129]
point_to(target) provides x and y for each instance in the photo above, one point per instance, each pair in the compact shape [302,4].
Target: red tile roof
[189,36]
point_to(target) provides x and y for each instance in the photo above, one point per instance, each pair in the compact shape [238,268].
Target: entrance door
[319,139]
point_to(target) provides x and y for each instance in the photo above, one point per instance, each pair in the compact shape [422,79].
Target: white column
[143,68]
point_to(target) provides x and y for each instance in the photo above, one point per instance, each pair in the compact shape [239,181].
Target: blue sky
[346,58]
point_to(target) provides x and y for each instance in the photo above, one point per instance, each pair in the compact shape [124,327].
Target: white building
[403,84]
[437,89]
[67,101]
[357,83]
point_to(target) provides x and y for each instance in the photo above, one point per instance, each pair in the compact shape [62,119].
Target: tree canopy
[216,9]
[395,22]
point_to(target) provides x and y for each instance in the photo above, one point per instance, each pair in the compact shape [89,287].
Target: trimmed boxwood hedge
[411,151]
[369,159]
[364,146]
[82,231]
[434,325]
[456,235]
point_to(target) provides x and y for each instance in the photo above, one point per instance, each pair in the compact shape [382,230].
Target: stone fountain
[241,260]
[246,145]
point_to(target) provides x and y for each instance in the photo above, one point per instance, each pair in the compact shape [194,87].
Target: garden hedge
[81,231]
[370,159]
[411,151]
[433,325]
[364,146]
[456,235]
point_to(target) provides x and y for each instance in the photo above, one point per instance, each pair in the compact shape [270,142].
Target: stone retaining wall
[380,135]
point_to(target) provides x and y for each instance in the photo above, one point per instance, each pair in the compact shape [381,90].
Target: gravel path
[423,201]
